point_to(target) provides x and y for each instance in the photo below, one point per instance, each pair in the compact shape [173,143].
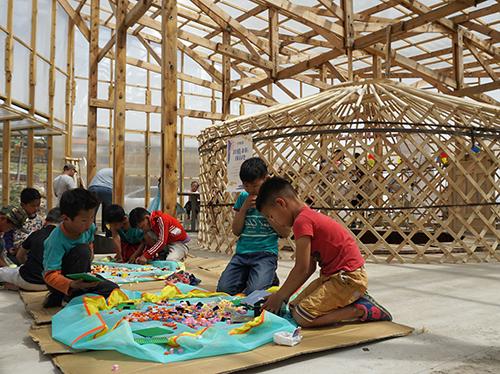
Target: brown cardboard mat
[315,340]
[42,335]
[33,302]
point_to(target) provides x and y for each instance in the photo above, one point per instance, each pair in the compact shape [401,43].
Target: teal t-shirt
[132,235]
[58,244]
[257,234]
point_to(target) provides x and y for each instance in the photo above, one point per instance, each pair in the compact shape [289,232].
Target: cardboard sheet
[33,302]
[315,340]
[42,335]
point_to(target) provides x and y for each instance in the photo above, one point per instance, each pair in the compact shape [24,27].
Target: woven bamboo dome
[415,175]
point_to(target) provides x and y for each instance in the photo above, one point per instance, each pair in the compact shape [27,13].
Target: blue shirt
[257,234]
[103,178]
[58,244]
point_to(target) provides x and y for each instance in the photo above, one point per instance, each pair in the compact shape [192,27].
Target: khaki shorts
[328,293]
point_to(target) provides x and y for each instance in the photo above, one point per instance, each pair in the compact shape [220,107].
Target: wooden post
[50,170]
[32,83]
[388,51]
[274,42]
[182,105]
[377,67]
[92,91]
[70,68]
[119,104]
[8,91]
[52,79]
[169,106]
[147,139]
[226,76]
[458,57]
[348,34]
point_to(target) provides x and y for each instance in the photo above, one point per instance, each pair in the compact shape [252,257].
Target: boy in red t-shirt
[170,237]
[339,294]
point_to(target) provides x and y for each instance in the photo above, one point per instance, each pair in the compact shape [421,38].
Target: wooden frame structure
[415,175]
[254,54]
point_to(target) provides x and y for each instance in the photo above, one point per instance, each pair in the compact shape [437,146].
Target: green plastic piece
[84,277]
[153,331]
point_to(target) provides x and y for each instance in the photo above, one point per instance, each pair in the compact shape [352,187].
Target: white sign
[239,149]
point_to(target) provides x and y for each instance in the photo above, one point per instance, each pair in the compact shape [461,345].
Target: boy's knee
[301,321]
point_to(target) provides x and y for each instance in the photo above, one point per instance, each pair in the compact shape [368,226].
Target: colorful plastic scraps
[183,277]
[129,273]
[182,323]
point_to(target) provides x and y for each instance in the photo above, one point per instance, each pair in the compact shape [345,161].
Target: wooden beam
[420,8]
[473,90]
[458,57]
[226,77]
[169,106]
[400,28]
[290,71]
[487,67]
[77,19]
[224,20]
[133,15]
[209,68]
[119,104]
[92,90]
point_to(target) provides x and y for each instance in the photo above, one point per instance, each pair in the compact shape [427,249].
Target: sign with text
[239,149]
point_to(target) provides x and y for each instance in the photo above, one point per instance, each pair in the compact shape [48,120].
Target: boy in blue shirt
[69,250]
[253,267]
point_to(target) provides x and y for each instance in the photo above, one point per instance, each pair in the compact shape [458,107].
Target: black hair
[252,169]
[137,215]
[76,200]
[30,194]
[54,216]
[114,213]
[271,189]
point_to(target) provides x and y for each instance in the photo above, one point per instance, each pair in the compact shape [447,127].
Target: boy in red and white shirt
[164,235]
[339,294]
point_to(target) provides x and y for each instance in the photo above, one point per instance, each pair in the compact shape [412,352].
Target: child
[10,218]
[128,241]
[172,238]
[69,250]
[253,267]
[339,293]
[29,276]
[30,203]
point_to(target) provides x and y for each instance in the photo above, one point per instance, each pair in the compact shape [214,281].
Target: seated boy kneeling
[339,294]
[69,250]
[128,241]
[253,267]
[172,239]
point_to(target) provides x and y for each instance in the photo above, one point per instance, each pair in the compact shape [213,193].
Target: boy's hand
[141,260]
[273,303]
[79,284]
[249,202]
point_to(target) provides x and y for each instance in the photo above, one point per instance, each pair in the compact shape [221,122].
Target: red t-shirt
[168,230]
[332,246]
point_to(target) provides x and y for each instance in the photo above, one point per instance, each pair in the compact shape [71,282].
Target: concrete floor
[455,310]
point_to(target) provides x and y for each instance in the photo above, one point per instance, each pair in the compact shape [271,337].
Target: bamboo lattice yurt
[415,175]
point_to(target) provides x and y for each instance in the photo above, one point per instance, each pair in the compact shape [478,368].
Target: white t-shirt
[63,183]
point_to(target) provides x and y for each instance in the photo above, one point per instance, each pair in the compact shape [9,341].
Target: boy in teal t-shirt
[253,267]
[69,250]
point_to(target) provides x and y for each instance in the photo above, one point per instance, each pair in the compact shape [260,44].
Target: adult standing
[65,181]
[102,187]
